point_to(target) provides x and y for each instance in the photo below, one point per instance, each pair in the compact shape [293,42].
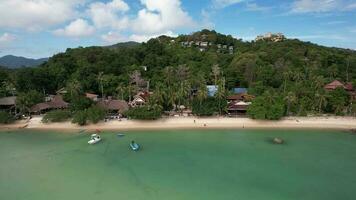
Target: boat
[95,138]
[134,146]
[120,135]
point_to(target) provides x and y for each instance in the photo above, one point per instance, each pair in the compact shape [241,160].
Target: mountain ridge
[13,62]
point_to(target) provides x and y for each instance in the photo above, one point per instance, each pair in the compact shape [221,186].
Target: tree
[148,112]
[26,100]
[321,100]
[261,109]
[80,118]
[216,73]
[5,118]
[338,99]
[290,98]
[95,114]
[100,79]
[57,116]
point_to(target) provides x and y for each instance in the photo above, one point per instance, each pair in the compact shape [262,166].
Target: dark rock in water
[353,131]
[278,141]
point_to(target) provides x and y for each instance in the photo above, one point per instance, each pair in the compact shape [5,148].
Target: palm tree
[120,90]
[202,93]
[100,80]
[319,82]
[216,72]
[290,98]
[321,99]
[221,93]
[74,87]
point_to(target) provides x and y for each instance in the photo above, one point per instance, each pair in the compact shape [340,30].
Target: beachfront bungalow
[93,97]
[212,89]
[140,99]
[56,102]
[114,106]
[239,103]
[8,104]
[348,87]
[333,85]
[239,90]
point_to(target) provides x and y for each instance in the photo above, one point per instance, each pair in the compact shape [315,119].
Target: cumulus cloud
[146,37]
[109,15]
[318,6]
[36,14]
[225,3]
[161,16]
[7,37]
[113,37]
[77,28]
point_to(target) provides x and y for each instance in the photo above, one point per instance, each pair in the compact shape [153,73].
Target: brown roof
[7,101]
[144,95]
[114,105]
[56,103]
[238,106]
[39,107]
[91,96]
[240,97]
[333,85]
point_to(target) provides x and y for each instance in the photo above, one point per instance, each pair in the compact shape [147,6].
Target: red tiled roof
[333,85]
[349,87]
[240,97]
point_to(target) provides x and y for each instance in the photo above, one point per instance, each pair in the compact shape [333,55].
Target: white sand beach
[342,123]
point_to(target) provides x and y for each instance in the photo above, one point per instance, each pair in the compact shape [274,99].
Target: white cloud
[113,37]
[144,38]
[36,15]
[109,15]
[251,6]
[319,6]
[225,3]
[161,16]
[7,37]
[77,28]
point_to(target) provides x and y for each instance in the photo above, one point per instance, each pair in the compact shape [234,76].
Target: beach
[337,123]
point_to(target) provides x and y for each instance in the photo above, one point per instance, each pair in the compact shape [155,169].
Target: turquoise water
[203,164]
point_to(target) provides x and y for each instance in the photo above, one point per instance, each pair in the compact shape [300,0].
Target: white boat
[95,138]
[134,146]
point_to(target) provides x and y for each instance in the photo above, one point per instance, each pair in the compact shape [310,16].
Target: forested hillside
[291,73]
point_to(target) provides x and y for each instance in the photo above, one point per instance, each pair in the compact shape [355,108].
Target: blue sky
[41,28]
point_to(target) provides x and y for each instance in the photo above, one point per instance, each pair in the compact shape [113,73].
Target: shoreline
[334,123]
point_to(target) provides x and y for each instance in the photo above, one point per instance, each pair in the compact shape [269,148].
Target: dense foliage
[57,116]
[80,118]
[207,107]
[177,75]
[267,106]
[95,114]
[5,118]
[145,112]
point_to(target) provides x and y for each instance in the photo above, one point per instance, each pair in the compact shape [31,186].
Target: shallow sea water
[178,165]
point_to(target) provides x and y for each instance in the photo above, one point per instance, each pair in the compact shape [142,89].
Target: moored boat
[95,138]
[134,146]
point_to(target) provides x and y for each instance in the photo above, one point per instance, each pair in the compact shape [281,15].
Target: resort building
[114,106]
[140,99]
[93,97]
[56,102]
[348,87]
[212,89]
[239,103]
[274,37]
[239,90]
[8,104]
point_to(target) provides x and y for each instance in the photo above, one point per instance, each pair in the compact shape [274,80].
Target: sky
[41,28]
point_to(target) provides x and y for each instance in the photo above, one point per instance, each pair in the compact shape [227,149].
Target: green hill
[280,68]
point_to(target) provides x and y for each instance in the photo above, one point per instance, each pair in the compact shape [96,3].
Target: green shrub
[260,109]
[95,114]
[207,107]
[145,112]
[80,103]
[56,116]
[80,117]
[5,118]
